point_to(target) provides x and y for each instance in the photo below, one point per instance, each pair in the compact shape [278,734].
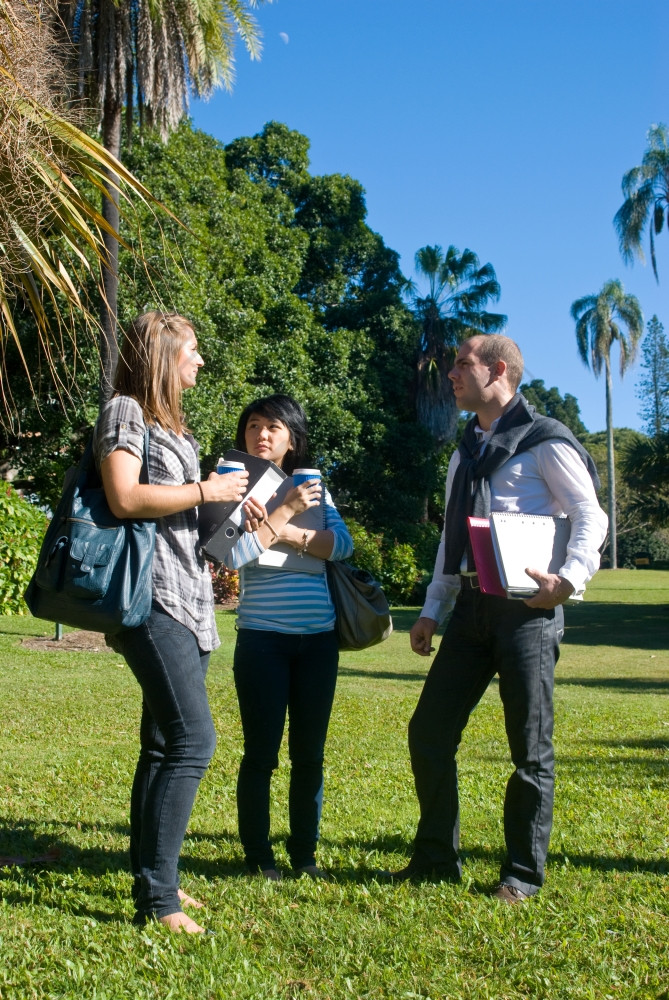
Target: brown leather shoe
[509,893]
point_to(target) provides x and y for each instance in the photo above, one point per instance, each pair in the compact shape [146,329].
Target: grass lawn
[598,930]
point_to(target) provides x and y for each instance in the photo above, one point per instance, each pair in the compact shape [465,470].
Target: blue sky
[502,125]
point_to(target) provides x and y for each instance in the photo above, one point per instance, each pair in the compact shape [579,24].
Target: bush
[22,527]
[392,564]
[225,583]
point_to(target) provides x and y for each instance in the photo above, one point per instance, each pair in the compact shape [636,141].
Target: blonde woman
[169,653]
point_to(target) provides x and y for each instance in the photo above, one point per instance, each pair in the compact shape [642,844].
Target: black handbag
[363,615]
[94,569]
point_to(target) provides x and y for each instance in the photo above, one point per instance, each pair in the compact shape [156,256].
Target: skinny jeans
[279,673]
[177,741]
[485,636]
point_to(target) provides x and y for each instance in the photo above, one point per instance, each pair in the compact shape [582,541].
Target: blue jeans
[486,636]
[275,673]
[177,741]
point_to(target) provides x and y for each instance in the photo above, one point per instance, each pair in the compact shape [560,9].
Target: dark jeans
[277,672]
[177,740]
[487,636]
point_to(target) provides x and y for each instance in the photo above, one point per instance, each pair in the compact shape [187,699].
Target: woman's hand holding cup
[228,486]
[306,492]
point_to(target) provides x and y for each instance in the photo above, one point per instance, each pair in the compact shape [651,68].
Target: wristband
[271,528]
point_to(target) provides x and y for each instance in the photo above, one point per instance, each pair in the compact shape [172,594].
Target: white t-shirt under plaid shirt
[181,577]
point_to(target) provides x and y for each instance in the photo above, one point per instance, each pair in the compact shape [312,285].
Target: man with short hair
[510,459]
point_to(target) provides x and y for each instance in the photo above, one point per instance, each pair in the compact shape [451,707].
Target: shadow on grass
[626,685]
[389,844]
[34,886]
[646,744]
[633,626]
[20,839]
[381,675]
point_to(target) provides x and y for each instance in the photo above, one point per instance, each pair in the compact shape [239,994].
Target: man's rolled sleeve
[570,483]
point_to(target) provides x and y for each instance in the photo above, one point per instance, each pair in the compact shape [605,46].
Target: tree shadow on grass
[633,626]
[20,839]
[381,675]
[395,844]
[626,685]
[643,744]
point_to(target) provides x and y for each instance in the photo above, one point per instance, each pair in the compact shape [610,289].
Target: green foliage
[552,404]
[646,468]
[598,929]
[393,564]
[22,528]
[637,526]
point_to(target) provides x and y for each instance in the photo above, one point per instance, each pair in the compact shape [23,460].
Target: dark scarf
[519,429]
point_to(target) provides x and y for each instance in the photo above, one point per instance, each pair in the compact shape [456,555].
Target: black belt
[469,582]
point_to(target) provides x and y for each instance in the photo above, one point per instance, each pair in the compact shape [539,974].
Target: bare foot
[187,900]
[181,922]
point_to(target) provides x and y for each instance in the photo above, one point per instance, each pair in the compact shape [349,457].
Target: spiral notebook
[513,542]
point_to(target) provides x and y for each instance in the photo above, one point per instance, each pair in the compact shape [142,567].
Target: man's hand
[421,636]
[553,590]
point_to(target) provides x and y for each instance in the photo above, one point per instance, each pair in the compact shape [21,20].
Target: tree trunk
[436,408]
[111,138]
[610,461]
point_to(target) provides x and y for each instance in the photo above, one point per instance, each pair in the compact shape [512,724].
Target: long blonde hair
[147,366]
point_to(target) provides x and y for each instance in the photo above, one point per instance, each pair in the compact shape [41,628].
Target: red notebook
[484,556]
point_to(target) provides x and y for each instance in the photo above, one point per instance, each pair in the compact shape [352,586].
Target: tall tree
[646,465]
[552,404]
[51,231]
[149,54]
[646,190]
[598,319]
[653,386]
[452,309]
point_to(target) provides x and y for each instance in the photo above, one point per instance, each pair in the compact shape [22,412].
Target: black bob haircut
[289,412]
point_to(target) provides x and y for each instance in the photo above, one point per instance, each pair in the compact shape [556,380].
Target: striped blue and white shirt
[281,600]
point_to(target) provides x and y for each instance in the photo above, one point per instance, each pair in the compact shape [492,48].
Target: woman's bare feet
[181,922]
[187,900]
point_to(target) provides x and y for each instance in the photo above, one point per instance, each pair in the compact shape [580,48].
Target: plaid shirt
[181,577]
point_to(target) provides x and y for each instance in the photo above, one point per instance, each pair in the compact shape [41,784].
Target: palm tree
[51,235]
[452,310]
[597,328]
[149,54]
[646,190]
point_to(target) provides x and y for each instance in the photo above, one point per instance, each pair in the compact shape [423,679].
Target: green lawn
[599,929]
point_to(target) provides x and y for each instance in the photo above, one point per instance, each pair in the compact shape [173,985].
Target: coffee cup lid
[306,472]
[231,465]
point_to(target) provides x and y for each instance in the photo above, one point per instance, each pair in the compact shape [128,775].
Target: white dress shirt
[547,479]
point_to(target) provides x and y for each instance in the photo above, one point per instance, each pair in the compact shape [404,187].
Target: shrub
[392,564]
[22,527]
[225,583]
